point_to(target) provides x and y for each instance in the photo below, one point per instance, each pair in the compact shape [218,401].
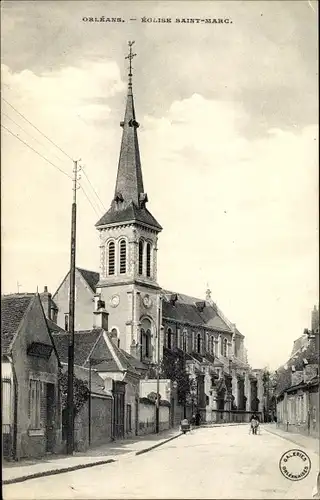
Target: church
[147,321]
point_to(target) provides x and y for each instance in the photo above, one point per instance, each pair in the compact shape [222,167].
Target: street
[218,462]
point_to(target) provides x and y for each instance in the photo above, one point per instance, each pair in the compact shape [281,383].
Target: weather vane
[130,56]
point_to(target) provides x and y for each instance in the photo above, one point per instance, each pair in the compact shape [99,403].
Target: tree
[80,391]
[172,367]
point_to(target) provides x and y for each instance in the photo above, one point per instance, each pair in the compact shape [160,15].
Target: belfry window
[111,258]
[148,260]
[140,257]
[123,257]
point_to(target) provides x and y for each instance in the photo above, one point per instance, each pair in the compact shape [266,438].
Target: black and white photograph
[160,255]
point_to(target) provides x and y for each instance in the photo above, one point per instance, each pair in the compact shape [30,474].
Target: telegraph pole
[70,401]
[158,368]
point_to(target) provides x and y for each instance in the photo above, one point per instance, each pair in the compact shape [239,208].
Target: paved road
[224,462]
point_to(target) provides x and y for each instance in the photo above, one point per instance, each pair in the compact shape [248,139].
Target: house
[97,350]
[297,387]
[31,417]
[85,289]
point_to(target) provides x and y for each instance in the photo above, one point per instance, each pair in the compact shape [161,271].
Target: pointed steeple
[129,185]
[129,202]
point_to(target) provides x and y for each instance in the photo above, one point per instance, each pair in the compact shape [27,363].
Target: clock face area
[115,301]
[147,301]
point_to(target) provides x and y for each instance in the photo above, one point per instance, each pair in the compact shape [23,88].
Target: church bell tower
[128,248]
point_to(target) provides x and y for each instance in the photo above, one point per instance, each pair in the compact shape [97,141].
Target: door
[137,417]
[50,410]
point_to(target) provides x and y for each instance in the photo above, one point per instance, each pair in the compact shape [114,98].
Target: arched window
[212,345]
[224,347]
[148,260]
[123,257]
[199,343]
[145,341]
[169,338]
[114,335]
[140,257]
[111,258]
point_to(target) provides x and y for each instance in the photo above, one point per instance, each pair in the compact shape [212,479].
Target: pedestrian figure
[193,421]
[198,418]
[254,424]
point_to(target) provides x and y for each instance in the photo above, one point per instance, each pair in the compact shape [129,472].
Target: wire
[37,152]
[83,170]
[89,201]
[30,135]
[48,139]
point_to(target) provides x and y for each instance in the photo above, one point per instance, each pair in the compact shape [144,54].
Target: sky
[228,140]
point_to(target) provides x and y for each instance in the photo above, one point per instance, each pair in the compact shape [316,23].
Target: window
[193,341]
[169,338]
[224,347]
[145,334]
[123,257]
[199,343]
[179,339]
[212,345]
[66,322]
[185,340]
[140,257]
[111,258]
[221,345]
[35,403]
[148,260]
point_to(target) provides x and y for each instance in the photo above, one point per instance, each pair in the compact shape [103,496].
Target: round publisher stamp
[295,465]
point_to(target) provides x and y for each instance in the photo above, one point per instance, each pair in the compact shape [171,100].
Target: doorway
[50,411]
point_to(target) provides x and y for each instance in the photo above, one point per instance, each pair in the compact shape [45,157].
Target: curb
[53,472]
[291,440]
[140,452]
[63,470]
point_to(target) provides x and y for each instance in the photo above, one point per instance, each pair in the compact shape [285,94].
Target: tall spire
[129,185]
[129,202]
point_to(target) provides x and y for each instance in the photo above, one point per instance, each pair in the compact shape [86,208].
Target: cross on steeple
[130,56]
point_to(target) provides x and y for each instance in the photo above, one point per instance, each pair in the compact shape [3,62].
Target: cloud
[237,213]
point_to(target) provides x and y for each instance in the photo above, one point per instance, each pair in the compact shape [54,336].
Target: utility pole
[70,399]
[158,368]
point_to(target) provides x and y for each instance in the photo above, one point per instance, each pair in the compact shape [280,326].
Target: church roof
[91,277]
[129,199]
[185,310]
[13,309]
[129,213]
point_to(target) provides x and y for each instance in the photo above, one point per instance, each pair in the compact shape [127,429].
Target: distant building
[297,387]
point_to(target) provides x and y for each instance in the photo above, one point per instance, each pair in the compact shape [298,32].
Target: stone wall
[147,417]
[101,423]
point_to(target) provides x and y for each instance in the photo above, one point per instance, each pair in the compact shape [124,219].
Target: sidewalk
[14,472]
[307,442]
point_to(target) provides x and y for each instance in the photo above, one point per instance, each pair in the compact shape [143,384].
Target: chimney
[100,316]
[45,298]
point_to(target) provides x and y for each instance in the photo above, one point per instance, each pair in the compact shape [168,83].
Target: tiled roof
[284,378]
[129,213]
[186,311]
[13,309]
[91,277]
[54,328]
[83,344]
